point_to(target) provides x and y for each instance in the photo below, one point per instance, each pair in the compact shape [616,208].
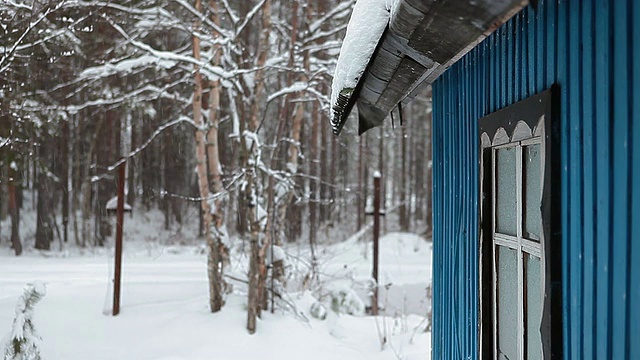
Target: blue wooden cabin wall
[591,48]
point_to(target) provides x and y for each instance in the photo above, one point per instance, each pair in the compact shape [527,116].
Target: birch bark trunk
[215,288]
[221,256]
[257,267]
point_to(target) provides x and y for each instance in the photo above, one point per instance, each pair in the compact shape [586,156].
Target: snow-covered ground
[165,311]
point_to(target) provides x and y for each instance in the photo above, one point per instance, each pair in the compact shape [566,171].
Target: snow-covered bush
[23,342]
[318,310]
[344,300]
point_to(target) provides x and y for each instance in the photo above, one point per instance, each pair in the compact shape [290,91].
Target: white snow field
[165,315]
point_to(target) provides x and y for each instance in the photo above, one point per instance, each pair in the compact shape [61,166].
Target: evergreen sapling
[23,342]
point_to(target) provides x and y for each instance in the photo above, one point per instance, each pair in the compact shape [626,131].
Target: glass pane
[532,192]
[534,308]
[506,210]
[507,303]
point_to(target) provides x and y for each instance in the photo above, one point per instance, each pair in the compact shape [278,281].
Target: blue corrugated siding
[591,48]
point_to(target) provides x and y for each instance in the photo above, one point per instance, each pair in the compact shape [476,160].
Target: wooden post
[119,224]
[376,239]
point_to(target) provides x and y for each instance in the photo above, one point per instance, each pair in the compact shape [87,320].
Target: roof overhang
[424,38]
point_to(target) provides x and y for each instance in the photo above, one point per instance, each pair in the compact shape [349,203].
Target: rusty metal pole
[376,238]
[119,223]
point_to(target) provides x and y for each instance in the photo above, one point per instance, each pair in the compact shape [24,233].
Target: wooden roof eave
[424,38]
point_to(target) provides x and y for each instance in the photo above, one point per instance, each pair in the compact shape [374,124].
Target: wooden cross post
[119,223]
[376,238]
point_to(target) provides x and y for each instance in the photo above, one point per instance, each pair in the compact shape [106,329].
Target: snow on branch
[4,142]
[249,17]
[339,11]
[159,130]
[4,61]
[203,18]
[126,66]
[294,88]
[153,91]
[16,5]
[232,14]
[212,72]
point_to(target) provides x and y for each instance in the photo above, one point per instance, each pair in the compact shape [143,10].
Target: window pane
[534,308]
[507,303]
[506,211]
[532,194]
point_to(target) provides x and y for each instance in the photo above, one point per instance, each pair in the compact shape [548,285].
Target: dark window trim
[530,111]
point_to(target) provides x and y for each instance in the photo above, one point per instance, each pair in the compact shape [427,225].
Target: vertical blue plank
[531,50]
[502,53]
[549,44]
[634,280]
[603,184]
[509,49]
[476,114]
[436,306]
[436,226]
[447,219]
[451,240]
[493,89]
[438,246]
[470,240]
[459,246]
[588,311]
[573,132]
[482,75]
[464,124]
[561,72]
[544,46]
[488,43]
[472,196]
[620,236]
[450,325]
[446,321]
[517,60]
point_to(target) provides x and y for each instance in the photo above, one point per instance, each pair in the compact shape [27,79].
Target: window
[520,240]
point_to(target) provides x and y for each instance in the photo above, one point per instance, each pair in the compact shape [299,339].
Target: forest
[218,109]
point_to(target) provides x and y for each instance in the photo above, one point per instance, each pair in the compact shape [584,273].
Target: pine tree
[23,341]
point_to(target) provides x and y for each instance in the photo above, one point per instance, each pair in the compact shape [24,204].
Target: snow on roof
[112,204]
[366,26]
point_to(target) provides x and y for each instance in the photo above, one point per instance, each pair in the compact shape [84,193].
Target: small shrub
[345,301]
[23,341]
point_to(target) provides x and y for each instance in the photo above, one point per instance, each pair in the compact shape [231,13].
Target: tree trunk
[293,151]
[257,267]
[324,173]
[44,226]
[14,211]
[331,196]
[313,181]
[221,256]
[404,223]
[64,171]
[361,197]
[215,289]
[131,167]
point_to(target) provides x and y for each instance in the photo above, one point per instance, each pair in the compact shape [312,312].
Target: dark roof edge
[341,112]
[378,108]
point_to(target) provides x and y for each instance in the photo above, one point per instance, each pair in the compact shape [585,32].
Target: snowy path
[164,312]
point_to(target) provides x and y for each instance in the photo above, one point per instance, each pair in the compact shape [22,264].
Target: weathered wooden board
[424,38]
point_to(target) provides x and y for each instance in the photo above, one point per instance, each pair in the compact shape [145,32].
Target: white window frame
[518,243]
